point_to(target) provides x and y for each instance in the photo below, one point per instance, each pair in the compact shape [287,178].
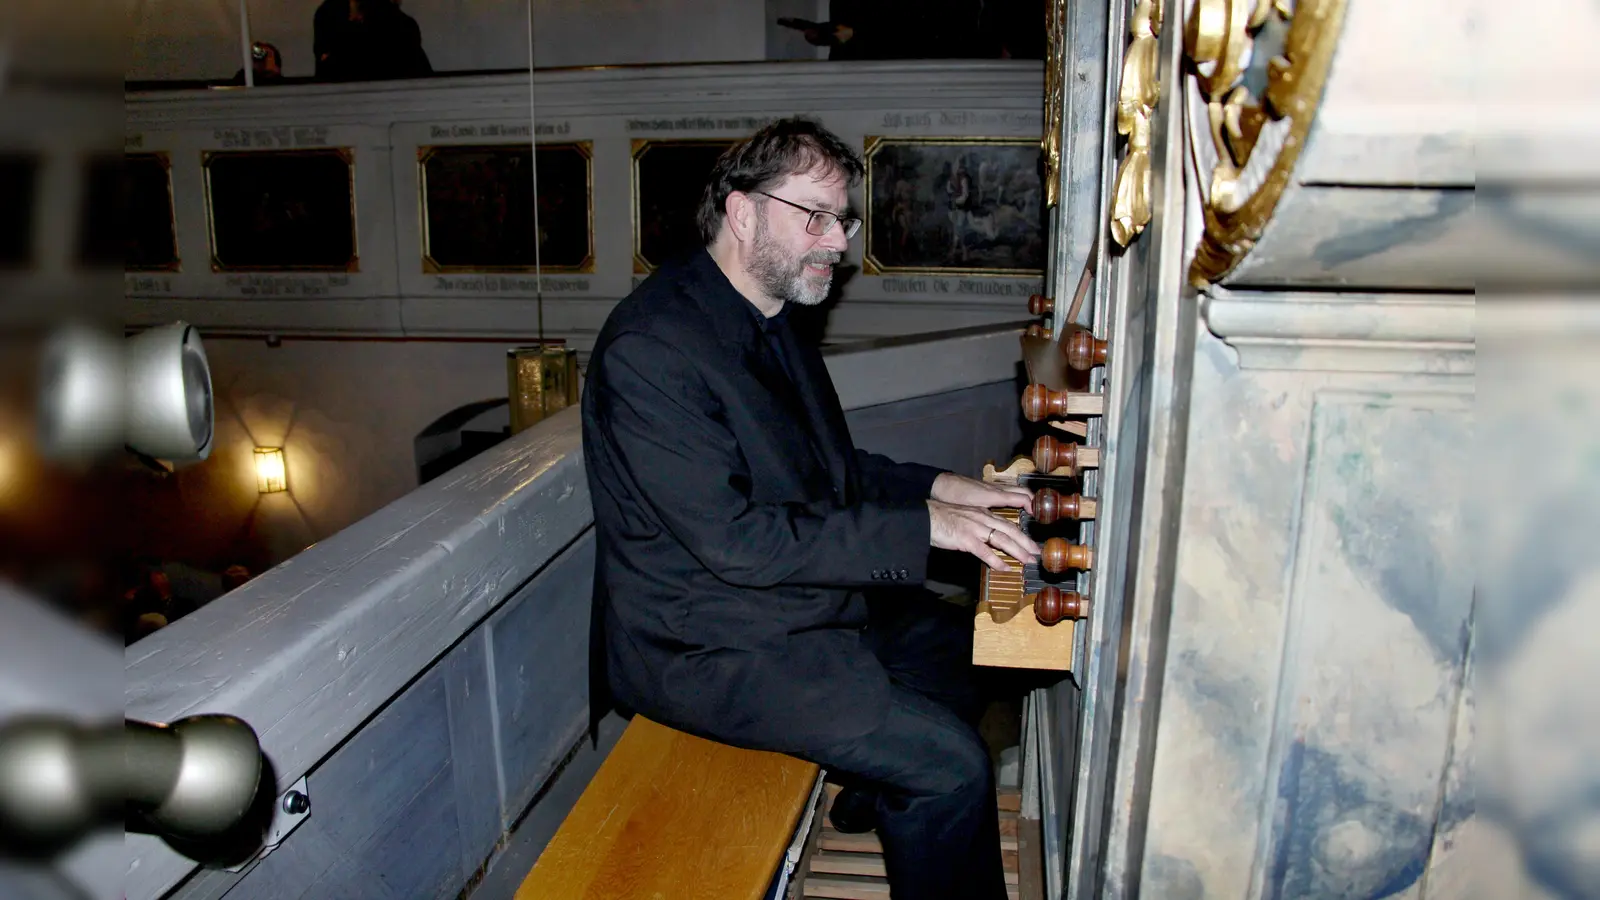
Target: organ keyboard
[1053,472]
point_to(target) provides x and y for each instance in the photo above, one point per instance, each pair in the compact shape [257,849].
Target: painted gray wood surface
[411,806]
[958,431]
[1369,133]
[1381,196]
[1318,639]
[1371,238]
[887,370]
[539,666]
[1538,733]
[1422,333]
[311,649]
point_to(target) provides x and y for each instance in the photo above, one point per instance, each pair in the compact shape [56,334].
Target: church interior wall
[345,414]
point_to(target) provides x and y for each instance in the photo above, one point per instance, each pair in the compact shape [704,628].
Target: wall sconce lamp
[271,477]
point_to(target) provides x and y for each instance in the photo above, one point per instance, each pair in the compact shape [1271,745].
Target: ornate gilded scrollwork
[1137,94]
[1259,66]
[1055,77]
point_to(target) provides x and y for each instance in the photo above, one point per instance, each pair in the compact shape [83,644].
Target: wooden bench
[672,816]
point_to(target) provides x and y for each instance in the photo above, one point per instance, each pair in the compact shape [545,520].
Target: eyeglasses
[821,220]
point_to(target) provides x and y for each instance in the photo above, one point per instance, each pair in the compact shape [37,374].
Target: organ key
[1043,640]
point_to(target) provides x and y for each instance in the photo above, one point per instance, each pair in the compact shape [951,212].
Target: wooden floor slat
[849,843]
[850,866]
[844,887]
[868,843]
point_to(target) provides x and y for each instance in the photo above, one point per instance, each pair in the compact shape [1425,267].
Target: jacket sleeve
[663,429]
[885,481]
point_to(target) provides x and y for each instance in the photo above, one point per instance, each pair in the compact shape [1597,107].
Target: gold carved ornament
[1137,94]
[1055,77]
[1221,41]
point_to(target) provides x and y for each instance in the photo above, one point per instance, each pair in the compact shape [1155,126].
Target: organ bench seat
[670,816]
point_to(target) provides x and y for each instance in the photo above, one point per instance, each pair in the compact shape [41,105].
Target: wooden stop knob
[1085,351]
[1050,505]
[1050,454]
[1039,402]
[1040,331]
[1052,604]
[1059,556]
[1040,305]
[1046,506]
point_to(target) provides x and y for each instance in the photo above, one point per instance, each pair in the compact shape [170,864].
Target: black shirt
[777,331]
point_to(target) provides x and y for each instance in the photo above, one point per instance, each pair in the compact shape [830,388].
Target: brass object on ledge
[542,380]
[1137,95]
[1243,192]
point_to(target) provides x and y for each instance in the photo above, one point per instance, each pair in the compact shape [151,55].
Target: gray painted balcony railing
[425,669]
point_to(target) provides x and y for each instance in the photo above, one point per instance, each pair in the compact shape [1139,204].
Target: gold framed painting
[669,177]
[281,210]
[149,226]
[954,206]
[477,207]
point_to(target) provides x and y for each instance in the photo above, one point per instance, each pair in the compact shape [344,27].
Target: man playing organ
[754,570]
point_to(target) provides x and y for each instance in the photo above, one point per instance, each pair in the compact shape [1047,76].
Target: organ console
[1053,472]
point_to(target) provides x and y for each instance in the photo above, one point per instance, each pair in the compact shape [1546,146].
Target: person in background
[234,577]
[367,40]
[266,65]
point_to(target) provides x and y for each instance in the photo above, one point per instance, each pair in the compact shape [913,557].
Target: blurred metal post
[244,43]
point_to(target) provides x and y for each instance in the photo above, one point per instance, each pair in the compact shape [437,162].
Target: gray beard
[784,280]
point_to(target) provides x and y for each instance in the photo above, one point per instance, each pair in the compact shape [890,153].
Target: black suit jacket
[736,524]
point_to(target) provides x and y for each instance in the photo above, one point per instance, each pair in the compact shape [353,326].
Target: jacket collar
[734,318]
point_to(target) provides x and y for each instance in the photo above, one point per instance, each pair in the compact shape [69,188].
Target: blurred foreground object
[189,782]
[151,392]
[51,667]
